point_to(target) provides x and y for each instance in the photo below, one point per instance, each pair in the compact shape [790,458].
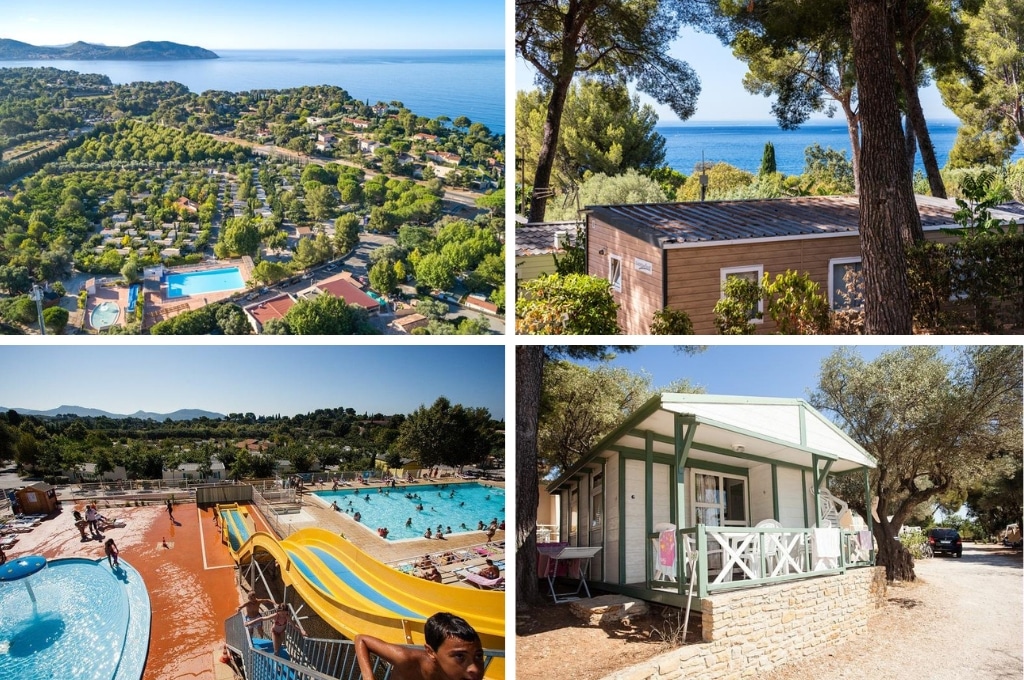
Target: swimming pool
[88,623]
[450,505]
[209,281]
[104,314]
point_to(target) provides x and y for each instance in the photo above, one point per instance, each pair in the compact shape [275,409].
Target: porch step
[607,609]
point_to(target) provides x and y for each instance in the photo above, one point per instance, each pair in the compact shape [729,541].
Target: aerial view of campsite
[348,524]
[344,175]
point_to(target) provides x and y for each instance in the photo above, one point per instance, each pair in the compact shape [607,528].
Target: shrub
[575,304]
[671,322]
[796,304]
[974,285]
[733,314]
[55,319]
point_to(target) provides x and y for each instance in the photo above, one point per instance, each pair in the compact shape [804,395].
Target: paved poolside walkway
[189,602]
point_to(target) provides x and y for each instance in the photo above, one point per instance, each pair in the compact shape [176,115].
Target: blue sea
[430,83]
[742,143]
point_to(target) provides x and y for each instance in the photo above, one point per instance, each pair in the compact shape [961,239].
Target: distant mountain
[81,411]
[11,50]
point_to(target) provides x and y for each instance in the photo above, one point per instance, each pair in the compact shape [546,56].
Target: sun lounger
[481,582]
[7,541]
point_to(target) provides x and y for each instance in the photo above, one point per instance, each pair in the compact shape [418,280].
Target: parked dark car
[946,540]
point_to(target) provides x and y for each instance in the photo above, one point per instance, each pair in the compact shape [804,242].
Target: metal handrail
[310,658]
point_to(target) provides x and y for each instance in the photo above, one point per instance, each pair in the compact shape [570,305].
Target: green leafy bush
[671,322]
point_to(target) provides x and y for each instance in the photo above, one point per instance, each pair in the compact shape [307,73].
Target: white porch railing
[740,557]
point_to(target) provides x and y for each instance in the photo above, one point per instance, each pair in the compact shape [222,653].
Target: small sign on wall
[643,266]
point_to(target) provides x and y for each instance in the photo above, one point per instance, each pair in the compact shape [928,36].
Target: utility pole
[37,295]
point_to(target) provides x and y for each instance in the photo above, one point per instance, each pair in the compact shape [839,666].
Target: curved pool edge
[117,315]
[140,616]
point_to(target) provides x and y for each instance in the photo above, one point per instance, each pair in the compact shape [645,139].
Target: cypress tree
[767,160]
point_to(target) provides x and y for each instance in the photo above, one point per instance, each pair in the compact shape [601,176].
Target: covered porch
[698,494]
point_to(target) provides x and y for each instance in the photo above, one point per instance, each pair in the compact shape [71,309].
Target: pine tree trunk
[888,213]
[853,128]
[915,114]
[549,146]
[529,372]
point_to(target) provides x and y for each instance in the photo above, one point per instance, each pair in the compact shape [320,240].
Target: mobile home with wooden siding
[678,255]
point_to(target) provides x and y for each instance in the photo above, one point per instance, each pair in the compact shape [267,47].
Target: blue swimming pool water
[104,314]
[88,623]
[210,281]
[472,503]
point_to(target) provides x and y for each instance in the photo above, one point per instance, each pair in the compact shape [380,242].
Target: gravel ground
[960,619]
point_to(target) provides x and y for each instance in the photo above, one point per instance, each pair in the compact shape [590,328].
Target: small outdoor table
[575,558]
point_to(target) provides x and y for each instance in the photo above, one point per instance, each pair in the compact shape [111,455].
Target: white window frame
[722,476]
[615,281]
[724,273]
[857,259]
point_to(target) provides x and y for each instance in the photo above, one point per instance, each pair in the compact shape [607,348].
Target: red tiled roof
[274,308]
[341,286]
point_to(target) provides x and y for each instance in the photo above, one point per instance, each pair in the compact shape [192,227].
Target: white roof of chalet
[737,431]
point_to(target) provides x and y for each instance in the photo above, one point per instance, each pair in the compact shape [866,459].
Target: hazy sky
[722,95]
[784,371]
[262,24]
[265,380]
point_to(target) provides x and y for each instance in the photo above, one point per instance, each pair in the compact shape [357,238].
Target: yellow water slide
[355,593]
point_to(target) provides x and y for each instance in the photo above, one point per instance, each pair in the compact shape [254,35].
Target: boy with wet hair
[452,652]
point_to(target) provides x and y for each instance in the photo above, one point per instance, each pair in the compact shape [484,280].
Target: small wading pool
[104,314]
[87,623]
[210,281]
[450,505]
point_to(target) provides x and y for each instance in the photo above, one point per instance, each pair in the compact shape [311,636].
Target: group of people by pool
[94,521]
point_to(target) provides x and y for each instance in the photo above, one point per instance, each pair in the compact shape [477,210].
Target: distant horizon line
[277,49]
[768,121]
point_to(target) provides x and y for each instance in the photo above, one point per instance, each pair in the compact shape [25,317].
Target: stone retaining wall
[751,631]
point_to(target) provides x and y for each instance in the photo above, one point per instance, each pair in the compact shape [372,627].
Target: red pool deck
[191,582]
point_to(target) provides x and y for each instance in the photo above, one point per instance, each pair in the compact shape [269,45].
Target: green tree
[131,269]
[327,315]
[239,236]
[446,434]
[435,272]
[603,130]
[346,233]
[933,423]
[827,172]
[574,304]
[607,41]
[55,319]
[768,166]
[382,277]
[321,202]
[600,189]
[988,98]
[267,272]
[723,181]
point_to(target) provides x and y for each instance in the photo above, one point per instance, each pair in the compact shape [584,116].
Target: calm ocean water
[430,83]
[741,144]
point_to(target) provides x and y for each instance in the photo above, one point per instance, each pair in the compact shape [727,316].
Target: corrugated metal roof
[538,238]
[661,223]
